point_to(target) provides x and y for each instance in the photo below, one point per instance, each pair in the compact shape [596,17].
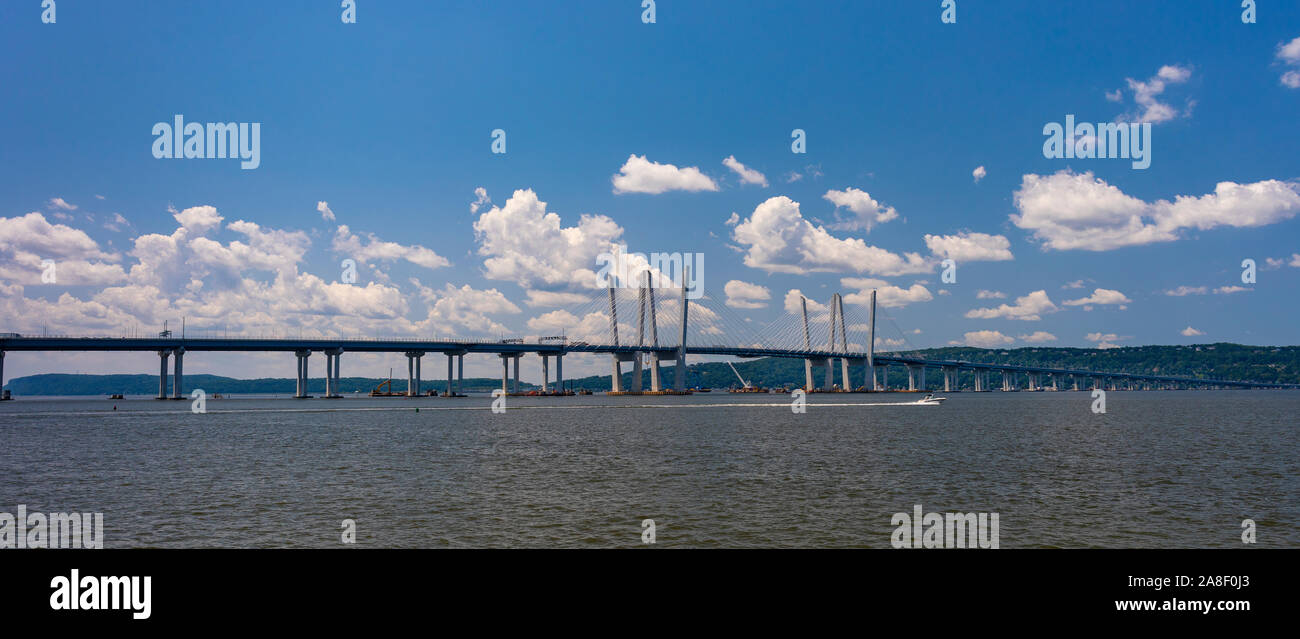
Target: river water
[1157,470]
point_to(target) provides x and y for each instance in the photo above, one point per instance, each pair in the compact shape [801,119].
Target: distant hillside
[61,384]
[1223,361]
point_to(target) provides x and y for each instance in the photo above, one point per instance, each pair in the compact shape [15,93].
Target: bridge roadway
[512,350]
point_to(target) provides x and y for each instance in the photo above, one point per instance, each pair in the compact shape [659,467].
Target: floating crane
[745,387]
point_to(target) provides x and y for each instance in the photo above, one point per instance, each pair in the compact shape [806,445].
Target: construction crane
[746,387]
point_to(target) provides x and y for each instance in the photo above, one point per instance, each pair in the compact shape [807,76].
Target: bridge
[820,339]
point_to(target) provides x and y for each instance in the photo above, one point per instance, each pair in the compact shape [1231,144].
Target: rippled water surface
[1159,469]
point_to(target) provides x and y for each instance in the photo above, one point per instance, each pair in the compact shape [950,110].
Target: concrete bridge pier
[656,379]
[546,372]
[915,377]
[637,372]
[1007,381]
[505,373]
[162,374]
[559,372]
[451,360]
[979,380]
[413,373]
[514,383]
[302,357]
[460,373]
[178,373]
[332,357]
[1033,381]
[616,381]
[949,379]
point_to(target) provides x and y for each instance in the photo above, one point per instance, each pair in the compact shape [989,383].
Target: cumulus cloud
[523,243]
[1069,210]
[1038,337]
[778,239]
[990,295]
[747,175]
[372,249]
[792,303]
[1100,296]
[970,247]
[867,211]
[986,339]
[1182,291]
[979,173]
[469,309]
[1030,307]
[745,295]
[1289,54]
[887,295]
[554,298]
[1227,290]
[325,213]
[1146,94]
[640,175]
[1190,332]
[27,241]
[1104,340]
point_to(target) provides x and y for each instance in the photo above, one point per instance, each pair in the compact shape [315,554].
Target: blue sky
[389,120]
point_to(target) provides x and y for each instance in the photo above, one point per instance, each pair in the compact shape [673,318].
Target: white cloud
[116,223]
[1145,94]
[990,295]
[1182,291]
[325,213]
[1100,296]
[554,298]
[1226,290]
[1038,337]
[1104,340]
[792,303]
[886,295]
[639,175]
[1074,284]
[970,247]
[347,243]
[481,199]
[1078,211]
[521,242]
[868,211]
[979,173]
[1289,54]
[468,308]
[1028,308]
[747,175]
[745,295]
[27,241]
[1190,332]
[60,203]
[986,339]
[777,238]
[734,219]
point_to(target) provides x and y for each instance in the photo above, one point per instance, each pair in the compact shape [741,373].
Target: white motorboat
[931,400]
